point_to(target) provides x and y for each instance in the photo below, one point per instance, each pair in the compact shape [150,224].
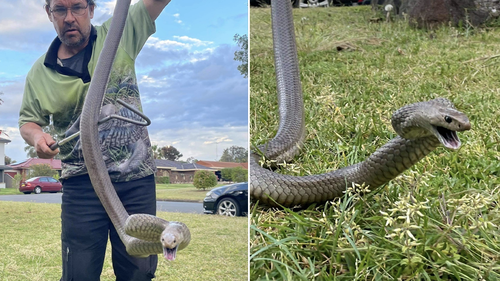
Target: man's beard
[68,41]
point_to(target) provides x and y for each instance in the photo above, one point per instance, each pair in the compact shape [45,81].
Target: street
[164,206]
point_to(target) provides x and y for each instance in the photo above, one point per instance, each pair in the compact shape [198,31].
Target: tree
[170,153]
[432,14]
[30,151]
[242,55]
[42,170]
[236,154]
[204,179]
[8,160]
[191,160]
[156,151]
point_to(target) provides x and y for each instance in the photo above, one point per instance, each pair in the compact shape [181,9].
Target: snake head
[446,121]
[437,117]
[170,244]
[175,237]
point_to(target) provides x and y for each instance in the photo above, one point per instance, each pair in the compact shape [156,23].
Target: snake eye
[448,119]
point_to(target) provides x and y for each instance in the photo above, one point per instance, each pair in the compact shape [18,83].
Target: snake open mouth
[448,137]
[169,254]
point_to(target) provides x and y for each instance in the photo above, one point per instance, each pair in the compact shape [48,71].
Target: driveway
[55,198]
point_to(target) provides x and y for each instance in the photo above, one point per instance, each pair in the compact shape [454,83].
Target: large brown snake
[142,234]
[421,128]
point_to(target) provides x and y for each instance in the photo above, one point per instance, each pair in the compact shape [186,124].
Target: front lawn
[164,192]
[30,246]
[180,192]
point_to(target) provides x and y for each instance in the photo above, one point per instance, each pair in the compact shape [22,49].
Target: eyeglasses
[61,12]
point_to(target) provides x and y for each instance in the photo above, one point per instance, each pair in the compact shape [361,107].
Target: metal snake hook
[144,122]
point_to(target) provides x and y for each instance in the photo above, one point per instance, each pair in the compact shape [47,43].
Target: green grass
[164,192]
[30,246]
[439,220]
[9,191]
[180,192]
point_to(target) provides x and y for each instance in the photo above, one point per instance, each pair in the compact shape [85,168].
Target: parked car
[40,184]
[229,200]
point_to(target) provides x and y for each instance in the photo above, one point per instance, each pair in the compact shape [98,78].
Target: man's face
[72,28]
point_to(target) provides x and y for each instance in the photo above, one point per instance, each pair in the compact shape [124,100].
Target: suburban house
[24,167]
[221,165]
[178,172]
[4,139]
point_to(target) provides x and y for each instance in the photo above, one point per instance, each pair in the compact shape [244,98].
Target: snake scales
[142,234]
[421,128]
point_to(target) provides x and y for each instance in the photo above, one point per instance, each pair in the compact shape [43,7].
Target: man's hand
[33,134]
[43,142]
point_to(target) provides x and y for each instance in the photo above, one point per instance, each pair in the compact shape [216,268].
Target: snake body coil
[142,234]
[421,127]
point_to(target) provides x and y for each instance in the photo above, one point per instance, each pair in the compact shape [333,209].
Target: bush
[204,179]
[17,180]
[163,180]
[225,174]
[237,174]
[40,170]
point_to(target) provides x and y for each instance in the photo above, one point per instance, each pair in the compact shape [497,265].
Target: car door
[54,184]
[43,182]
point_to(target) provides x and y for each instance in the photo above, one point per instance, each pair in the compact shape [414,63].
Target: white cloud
[218,140]
[183,42]
[194,41]
[199,142]
[109,7]
[177,18]
[20,16]
[149,80]
[165,45]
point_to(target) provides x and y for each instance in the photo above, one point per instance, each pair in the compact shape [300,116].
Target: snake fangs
[142,234]
[421,128]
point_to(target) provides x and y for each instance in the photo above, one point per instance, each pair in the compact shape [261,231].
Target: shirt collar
[51,57]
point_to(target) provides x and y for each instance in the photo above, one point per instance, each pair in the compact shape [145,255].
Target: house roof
[4,138]
[4,167]
[175,165]
[221,165]
[54,163]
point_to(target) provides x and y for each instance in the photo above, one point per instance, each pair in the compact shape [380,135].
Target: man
[55,90]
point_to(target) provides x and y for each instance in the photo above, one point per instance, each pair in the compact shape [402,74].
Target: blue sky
[188,80]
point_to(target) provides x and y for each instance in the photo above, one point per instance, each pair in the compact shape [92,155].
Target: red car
[40,184]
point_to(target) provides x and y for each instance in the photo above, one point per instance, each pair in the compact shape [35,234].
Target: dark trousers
[86,226]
